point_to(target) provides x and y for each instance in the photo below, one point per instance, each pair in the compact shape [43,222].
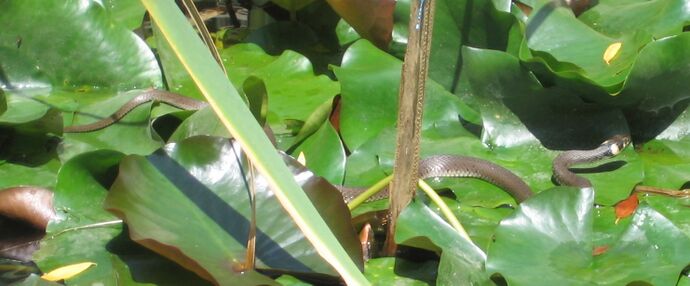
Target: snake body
[564,160]
[434,166]
[459,167]
[154,95]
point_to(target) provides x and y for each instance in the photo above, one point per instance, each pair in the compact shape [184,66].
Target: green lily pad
[85,232]
[676,210]
[294,92]
[370,81]
[324,154]
[392,271]
[558,223]
[659,18]
[85,33]
[654,96]
[461,261]
[457,23]
[205,189]
[555,30]
[346,34]
[130,135]
[129,13]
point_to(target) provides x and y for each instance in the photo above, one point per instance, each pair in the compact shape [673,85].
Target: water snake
[434,166]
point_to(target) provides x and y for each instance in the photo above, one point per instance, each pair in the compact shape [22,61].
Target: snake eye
[616,148]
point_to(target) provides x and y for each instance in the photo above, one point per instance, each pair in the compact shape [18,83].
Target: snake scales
[434,166]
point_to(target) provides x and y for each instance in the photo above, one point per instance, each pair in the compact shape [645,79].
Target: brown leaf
[372,19]
[626,207]
[33,205]
[599,250]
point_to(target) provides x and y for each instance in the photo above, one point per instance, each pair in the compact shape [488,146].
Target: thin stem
[662,191]
[93,225]
[445,210]
[369,192]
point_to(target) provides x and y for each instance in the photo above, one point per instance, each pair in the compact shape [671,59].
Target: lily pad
[370,81]
[659,18]
[77,45]
[324,154]
[135,127]
[417,222]
[85,232]
[558,223]
[201,177]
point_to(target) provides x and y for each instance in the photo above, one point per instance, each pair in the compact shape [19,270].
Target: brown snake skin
[433,166]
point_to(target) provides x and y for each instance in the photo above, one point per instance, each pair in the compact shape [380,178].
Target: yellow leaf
[301,159]
[612,51]
[67,272]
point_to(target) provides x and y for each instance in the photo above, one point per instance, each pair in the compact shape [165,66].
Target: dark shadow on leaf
[227,218]
[538,19]
[18,240]
[12,271]
[608,167]
[147,266]
[645,125]
[561,121]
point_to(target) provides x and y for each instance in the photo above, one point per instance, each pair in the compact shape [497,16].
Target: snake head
[617,143]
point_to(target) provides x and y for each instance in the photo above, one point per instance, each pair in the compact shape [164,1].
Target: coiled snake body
[434,166]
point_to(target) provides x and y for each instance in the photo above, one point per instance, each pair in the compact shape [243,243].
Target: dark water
[17,244]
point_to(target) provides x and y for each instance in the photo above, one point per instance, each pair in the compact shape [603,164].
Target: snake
[430,167]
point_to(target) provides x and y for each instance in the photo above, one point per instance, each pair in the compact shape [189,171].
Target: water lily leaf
[294,92]
[555,30]
[135,127]
[77,58]
[653,95]
[659,17]
[33,205]
[675,209]
[558,223]
[128,13]
[324,153]
[371,19]
[84,231]
[392,271]
[28,113]
[516,110]
[201,177]
[20,174]
[346,34]
[370,81]
[461,261]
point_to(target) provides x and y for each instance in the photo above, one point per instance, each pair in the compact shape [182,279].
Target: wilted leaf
[611,52]
[372,19]
[33,205]
[626,207]
[67,272]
